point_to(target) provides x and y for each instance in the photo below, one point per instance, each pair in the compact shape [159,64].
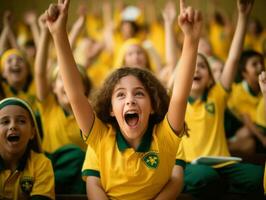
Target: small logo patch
[26,184]
[210,108]
[151,160]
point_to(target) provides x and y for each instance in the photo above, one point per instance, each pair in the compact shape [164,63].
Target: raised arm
[190,22]
[169,15]
[31,20]
[40,64]
[76,28]
[230,67]
[56,17]
[5,32]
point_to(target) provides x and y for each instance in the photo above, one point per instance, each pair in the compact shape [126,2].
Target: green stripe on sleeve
[91,172]
[181,163]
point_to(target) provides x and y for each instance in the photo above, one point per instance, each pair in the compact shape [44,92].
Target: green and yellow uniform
[59,127]
[205,121]
[27,93]
[33,178]
[243,101]
[126,173]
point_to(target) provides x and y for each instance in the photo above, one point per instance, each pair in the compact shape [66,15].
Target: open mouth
[13,138]
[196,78]
[132,119]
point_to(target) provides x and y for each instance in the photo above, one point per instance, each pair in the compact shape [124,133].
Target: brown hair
[156,91]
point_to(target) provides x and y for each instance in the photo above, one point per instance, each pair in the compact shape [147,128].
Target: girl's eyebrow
[136,88]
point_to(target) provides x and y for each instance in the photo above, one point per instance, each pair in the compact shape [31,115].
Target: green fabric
[205,182]
[145,143]
[90,172]
[181,163]
[67,163]
[39,197]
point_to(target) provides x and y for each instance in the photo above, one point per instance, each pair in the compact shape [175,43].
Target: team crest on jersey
[151,160]
[26,184]
[210,108]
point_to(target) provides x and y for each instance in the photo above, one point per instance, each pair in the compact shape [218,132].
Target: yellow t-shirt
[124,172]
[205,120]
[59,128]
[28,94]
[220,40]
[242,101]
[34,177]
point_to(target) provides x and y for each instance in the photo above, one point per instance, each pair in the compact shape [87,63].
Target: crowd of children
[119,106]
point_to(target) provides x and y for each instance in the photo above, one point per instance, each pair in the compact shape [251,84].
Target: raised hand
[245,6]
[190,20]
[42,21]
[262,82]
[169,12]
[30,17]
[7,18]
[56,16]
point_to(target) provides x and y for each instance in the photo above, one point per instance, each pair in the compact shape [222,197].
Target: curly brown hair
[158,95]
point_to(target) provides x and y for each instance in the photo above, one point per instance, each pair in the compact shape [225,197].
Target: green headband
[19,102]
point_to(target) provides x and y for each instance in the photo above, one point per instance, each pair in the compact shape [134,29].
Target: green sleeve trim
[39,197]
[91,172]
[181,163]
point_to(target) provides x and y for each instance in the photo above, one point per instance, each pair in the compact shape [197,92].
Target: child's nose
[131,101]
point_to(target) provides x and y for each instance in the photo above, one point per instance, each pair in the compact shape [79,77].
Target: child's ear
[33,132]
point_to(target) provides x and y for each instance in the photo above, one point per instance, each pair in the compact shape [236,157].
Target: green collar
[203,98]
[145,143]
[22,162]
[248,88]
[24,88]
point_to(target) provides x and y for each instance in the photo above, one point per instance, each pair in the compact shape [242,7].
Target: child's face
[254,67]
[131,106]
[16,129]
[202,77]
[59,91]
[135,57]
[15,70]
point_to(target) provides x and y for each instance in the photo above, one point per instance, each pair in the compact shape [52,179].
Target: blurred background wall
[18,7]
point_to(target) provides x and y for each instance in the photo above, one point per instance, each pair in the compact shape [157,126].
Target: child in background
[61,138]
[129,133]
[25,173]
[243,102]
[205,115]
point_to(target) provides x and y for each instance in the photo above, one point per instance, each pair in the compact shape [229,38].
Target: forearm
[42,86]
[236,47]
[170,45]
[35,32]
[182,83]
[95,190]
[75,31]
[173,187]
[67,65]
[3,40]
